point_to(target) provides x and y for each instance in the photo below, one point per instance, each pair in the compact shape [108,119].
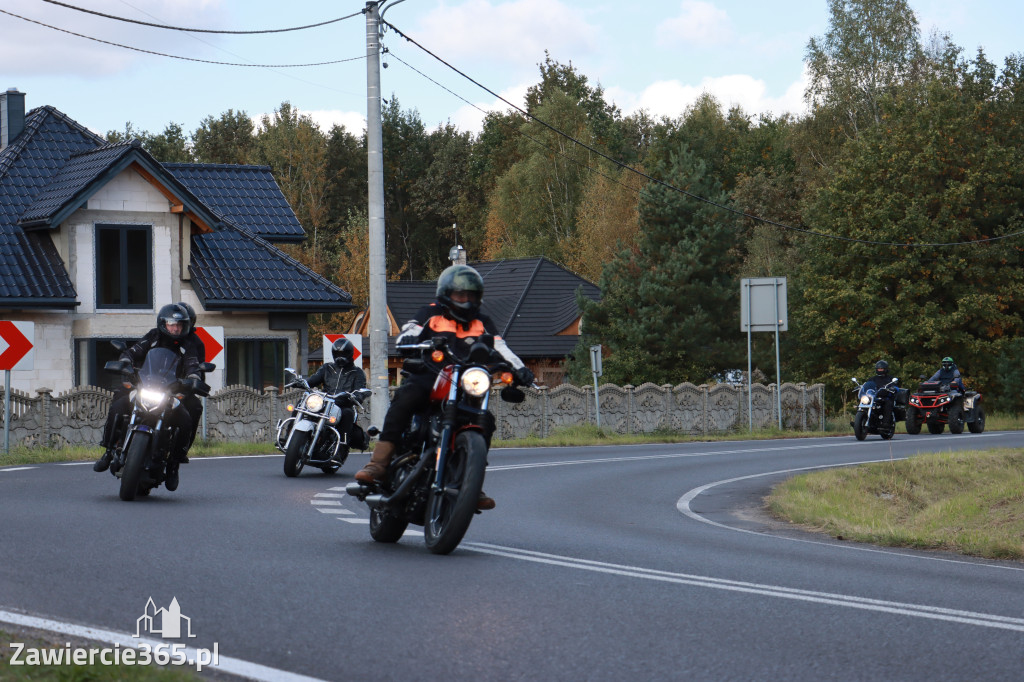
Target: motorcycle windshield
[160,368]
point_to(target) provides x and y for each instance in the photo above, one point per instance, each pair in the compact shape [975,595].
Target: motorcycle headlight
[476,382]
[151,399]
[315,402]
[865,400]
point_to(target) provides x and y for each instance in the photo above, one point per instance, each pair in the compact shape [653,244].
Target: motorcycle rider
[171,332]
[343,375]
[881,379]
[192,402]
[454,315]
[949,374]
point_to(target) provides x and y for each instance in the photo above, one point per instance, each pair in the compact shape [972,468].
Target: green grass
[971,502]
[25,455]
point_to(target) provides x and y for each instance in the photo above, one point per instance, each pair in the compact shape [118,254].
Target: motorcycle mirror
[854,380]
[119,345]
[207,366]
[290,370]
[479,352]
[511,394]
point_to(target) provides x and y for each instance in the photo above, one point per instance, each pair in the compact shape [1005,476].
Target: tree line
[892,207]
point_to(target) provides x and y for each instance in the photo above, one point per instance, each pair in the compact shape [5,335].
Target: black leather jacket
[335,378]
[186,348]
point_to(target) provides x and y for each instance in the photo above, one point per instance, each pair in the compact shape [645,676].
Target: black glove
[343,400]
[524,376]
[192,384]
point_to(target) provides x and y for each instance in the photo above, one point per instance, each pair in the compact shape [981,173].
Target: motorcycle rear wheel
[860,427]
[978,425]
[294,456]
[134,466]
[450,511]
[386,527]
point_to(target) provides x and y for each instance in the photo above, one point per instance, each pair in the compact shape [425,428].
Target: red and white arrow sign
[213,341]
[16,344]
[356,339]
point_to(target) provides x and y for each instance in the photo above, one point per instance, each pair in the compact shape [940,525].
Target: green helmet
[947,362]
[460,278]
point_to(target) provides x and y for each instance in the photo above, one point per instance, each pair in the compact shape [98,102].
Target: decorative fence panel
[239,413]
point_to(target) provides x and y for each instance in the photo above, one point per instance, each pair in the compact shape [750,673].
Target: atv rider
[171,332]
[882,379]
[456,316]
[949,374]
[342,375]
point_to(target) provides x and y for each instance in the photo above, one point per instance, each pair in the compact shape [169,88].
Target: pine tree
[670,306]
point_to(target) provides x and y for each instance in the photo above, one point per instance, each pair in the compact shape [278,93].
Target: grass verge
[971,502]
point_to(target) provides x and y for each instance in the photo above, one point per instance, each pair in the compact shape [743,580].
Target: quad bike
[939,403]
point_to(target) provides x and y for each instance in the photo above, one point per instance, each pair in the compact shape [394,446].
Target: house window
[256,362]
[90,357]
[124,266]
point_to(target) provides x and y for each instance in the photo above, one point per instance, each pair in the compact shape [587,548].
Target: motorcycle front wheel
[134,465]
[860,426]
[294,456]
[450,510]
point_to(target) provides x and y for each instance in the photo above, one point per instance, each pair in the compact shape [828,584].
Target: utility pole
[379,326]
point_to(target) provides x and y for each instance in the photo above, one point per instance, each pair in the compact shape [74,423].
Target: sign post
[213,344]
[17,340]
[763,309]
[595,367]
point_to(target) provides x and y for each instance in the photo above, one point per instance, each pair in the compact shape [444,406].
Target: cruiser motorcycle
[144,442]
[309,435]
[871,406]
[437,472]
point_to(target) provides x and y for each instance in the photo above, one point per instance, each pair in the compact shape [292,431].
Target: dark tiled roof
[529,300]
[31,271]
[248,196]
[234,270]
[73,180]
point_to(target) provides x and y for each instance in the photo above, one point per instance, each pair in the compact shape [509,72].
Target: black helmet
[190,311]
[947,363]
[173,314]
[881,368]
[460,278]
[343,351]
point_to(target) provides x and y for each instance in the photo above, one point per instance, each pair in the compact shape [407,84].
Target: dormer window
[124,266]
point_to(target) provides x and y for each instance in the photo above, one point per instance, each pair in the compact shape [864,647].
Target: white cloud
[700,22]
[471,118]
[29,47]
[670,98]
[518,31]
[354,122]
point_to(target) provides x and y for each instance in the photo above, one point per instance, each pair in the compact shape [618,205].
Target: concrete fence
[242,414]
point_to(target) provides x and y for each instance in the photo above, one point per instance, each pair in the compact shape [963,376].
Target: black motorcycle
[308,435]
[871,409]
[144,441]
[437,473]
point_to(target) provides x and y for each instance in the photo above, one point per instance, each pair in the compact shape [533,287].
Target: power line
[200,30]
[730,209]
[173,56]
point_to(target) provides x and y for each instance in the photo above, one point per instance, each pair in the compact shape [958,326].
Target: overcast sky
[657,55]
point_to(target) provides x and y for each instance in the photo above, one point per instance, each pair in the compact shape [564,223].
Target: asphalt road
[607,563]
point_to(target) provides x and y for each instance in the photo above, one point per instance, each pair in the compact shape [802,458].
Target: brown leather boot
[485,502]
[378,464]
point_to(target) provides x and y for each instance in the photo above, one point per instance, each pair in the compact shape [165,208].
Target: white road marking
[19,468]
[334,495]
[832,599]
[334,510]
[227,664]
[325,503]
